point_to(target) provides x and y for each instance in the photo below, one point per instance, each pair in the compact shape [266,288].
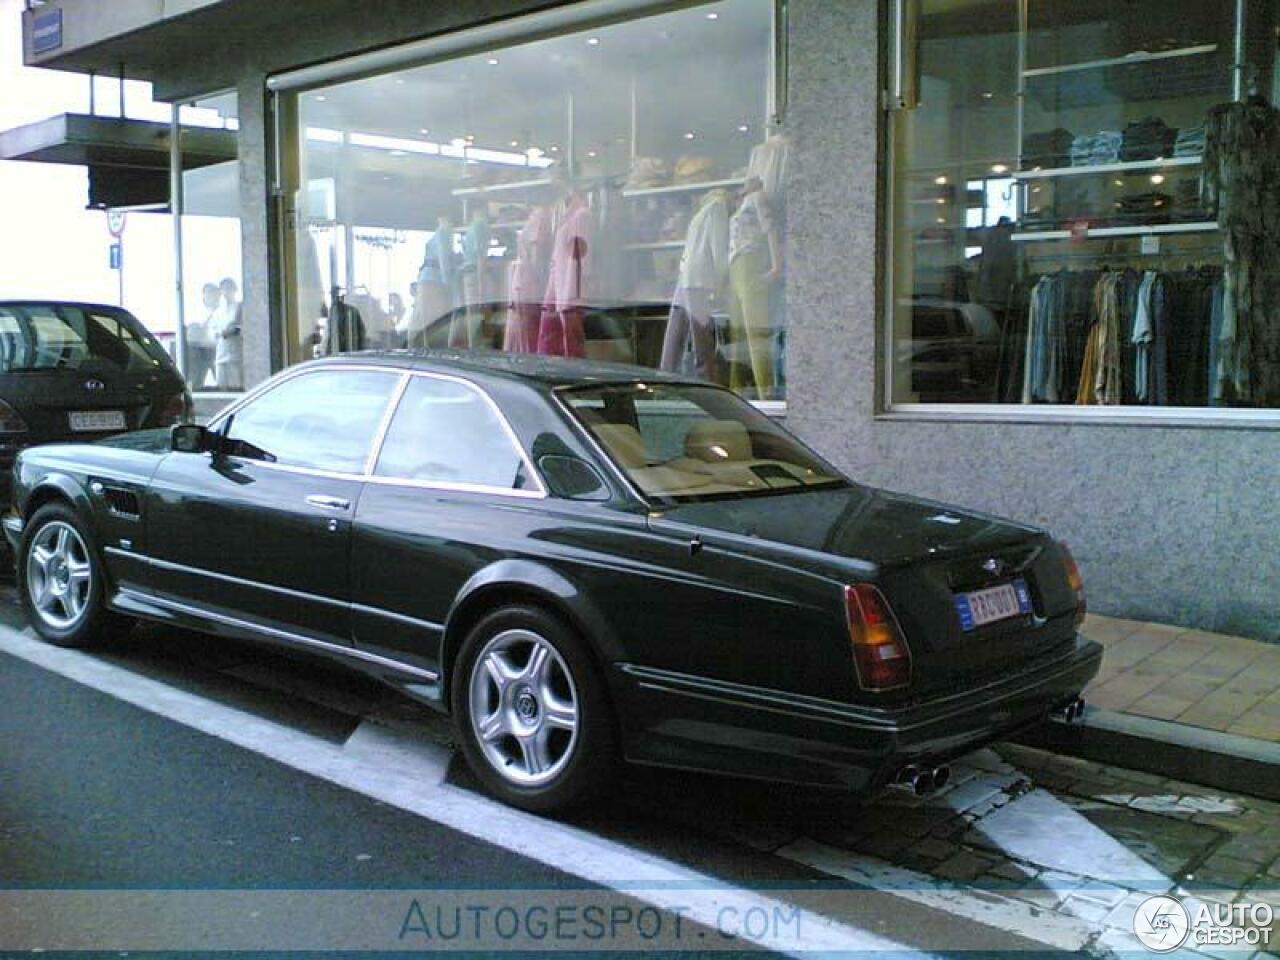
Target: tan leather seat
[624,443]
[718,441]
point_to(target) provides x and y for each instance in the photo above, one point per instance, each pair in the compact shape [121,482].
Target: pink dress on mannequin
[560,331]
[528,281]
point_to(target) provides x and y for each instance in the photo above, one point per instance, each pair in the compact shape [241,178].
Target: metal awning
[128,160]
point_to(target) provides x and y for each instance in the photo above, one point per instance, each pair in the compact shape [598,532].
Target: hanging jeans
[749,322]
[691,320]
[560,332]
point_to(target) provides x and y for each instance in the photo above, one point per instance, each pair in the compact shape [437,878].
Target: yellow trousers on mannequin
[749,321]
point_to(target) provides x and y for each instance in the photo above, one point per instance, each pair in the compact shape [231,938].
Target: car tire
[62,581]
[532,711]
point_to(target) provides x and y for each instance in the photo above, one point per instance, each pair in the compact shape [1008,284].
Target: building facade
[1014,254]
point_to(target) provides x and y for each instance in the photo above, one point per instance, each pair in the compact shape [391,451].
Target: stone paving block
[1160,706]
[931,848]
[1106,894]
[973,793]
[1121,915]
[1087,910]
[964,867]
[1049,889]
[990,761]
[1012,872]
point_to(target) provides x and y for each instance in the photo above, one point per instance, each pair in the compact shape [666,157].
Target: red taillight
[1076,582]
[879,650]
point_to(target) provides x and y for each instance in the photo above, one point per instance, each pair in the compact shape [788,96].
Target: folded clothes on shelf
[1190,142]
[692,168]
[1143,208]
[1091,150]
[648,172]
[1147,139]
[1051,148]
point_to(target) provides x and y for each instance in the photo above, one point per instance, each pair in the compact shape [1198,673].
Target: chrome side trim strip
[224,578]
[347,652]
[398,617]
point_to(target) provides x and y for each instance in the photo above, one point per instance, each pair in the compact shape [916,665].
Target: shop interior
[555,197]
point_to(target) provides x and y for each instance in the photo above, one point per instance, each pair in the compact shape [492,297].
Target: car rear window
[53,337]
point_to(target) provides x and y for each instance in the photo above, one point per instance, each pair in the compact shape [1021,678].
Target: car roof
[536,368]
[78,304]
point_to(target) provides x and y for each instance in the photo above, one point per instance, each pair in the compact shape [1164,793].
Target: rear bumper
[678,720]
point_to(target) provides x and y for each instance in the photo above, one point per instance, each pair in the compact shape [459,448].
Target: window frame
[886,408]
[384,424]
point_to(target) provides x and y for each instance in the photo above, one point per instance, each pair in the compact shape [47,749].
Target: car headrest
[624,442]
[717,441]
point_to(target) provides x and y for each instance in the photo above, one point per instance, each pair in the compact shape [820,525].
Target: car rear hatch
[77,404]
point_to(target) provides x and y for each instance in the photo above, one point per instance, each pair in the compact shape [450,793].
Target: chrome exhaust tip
[941,776]
[923,783]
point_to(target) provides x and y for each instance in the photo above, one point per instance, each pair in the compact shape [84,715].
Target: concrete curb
[1174,750]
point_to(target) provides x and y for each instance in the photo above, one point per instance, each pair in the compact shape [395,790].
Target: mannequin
[528,280]
[560,328]
[703,277]
[437,278]
[755,266]
[475,255]
[769,163]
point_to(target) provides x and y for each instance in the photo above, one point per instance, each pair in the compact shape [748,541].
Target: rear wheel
[61,579]
[531,709]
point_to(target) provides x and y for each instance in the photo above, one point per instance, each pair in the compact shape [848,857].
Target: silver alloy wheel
[524,707]
[59,575]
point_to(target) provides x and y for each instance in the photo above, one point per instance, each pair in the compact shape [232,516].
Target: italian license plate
[996,603]
[97,421]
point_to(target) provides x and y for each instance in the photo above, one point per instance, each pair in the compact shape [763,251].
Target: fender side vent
[122,503]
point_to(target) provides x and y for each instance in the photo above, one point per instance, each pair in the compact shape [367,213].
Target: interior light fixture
[1000,168]
[713,16]
[941,201]
[321,98]
[593,41]
[940,181]
[1157,178]
[554,148]
[591,154]
[424,131]
[470,138]
[690,135]
[492,61]
[743,127]
[515,143]
[987,95]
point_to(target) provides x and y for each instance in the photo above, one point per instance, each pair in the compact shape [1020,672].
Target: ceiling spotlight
[470,138]
[1157,178]
[593,41]
[941,201]
[591,154]
[399,81]
[987,95]
[940,181]
[321,98]
[515,143]
[713,16]
[492,61]
[743,128]
[690,135]
[424,131]
[1000,168]
[554,148]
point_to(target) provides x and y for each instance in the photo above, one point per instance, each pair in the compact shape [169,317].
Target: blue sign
[46,30]
[116,255]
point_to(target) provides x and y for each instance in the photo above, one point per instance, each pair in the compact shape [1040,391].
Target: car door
[450,491]
[262,532]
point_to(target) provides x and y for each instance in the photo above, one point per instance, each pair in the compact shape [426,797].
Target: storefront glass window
[211,245]
[614,194]
[1084,201]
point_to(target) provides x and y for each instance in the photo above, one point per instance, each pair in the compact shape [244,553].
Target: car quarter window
[447,432]
[324,420]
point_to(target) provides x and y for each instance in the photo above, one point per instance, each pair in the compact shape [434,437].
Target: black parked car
[71,371]
[580,561]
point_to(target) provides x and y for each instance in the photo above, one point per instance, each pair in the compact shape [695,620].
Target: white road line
[660,882]
[991,909]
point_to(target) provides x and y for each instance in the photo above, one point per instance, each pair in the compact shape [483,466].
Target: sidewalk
[1179,703]
[1208,680]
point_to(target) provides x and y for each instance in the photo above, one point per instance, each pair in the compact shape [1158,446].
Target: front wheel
[531,710]
[61,579]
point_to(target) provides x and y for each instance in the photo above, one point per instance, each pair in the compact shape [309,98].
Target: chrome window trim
[462,487]
[352,653]
[380,435]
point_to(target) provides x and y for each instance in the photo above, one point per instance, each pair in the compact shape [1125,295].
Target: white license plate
[97,421]
[996,603]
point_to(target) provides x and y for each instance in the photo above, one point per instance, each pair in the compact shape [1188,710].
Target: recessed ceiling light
[593,41]
[713,16]
[743,127]
[941,201]
[470,138]
[591,153]
[515,143]
[987,95]
[400,81]
[424,131]
[321,98]
[940,181]
[690,135]
[493,61]
[554,148]
[999,168]
[1157,178]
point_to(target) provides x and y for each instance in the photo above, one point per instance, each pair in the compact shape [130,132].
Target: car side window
[447,432]
[324,420]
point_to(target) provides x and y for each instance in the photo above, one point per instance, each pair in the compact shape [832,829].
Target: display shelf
[1101,168]
[1129,59]
[1035,236]
[683,187]
[502,187]
[656,245]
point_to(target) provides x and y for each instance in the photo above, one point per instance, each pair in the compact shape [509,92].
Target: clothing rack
[1101,259]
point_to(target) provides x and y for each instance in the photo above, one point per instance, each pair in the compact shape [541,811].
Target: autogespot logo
[1162,924]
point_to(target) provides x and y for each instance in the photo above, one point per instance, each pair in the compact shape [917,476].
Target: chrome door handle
[329,503]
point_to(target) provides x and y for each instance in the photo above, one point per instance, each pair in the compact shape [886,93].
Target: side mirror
[191,438]
[573,478]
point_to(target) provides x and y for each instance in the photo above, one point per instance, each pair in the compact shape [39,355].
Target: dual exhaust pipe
[1071,712]
[922,781]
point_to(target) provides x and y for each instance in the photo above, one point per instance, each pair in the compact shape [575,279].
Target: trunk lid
[921,554]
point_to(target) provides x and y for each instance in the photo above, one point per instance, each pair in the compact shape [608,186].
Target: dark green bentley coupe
[582,563]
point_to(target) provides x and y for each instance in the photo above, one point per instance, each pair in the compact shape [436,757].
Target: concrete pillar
[259,283]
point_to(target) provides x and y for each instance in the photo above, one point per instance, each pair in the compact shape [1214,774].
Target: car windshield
[53,337]
[685,442]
